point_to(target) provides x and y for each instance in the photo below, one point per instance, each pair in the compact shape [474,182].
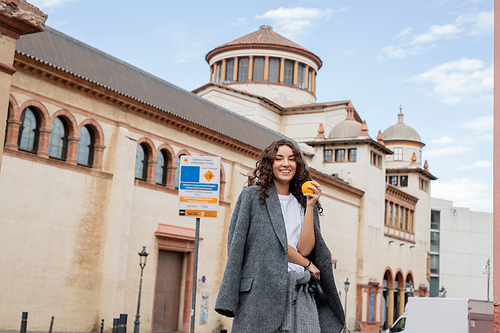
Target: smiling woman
[278,250]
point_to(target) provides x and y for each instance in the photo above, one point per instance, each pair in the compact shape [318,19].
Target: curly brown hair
[263,172]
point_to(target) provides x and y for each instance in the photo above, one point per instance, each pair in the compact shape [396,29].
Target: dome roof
[265,38]
[348,128]
[401,131]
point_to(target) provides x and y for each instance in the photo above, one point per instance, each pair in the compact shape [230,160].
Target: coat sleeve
[228,297]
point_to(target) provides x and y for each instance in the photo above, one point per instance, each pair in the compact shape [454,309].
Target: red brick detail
[182,152]
[43,114]
[363,323]
[98,141]
[497,318]
[9,70]
[43,142]
[222,183]
[21,18]
[182,240]
[12,133]
[72,149]
[170,163]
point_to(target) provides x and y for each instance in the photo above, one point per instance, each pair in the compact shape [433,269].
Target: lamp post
[143,255]
[346,289]
[486,270]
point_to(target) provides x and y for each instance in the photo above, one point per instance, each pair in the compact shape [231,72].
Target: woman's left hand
[313,197]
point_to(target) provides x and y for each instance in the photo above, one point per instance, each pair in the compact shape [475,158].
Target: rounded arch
[168,150]
[182,152]
[399,278]
[42,111]
[13,108]
[151,150]
[388,276]
[98,133]
[70,121]
[409,277]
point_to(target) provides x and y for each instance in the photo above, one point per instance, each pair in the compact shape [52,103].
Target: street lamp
[143,256]
[443,292]
[486,271]
[346,288]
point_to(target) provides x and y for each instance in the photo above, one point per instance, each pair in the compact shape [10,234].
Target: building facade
[90,175]
[461,251]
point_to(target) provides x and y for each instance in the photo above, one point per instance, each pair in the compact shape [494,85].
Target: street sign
[199,185]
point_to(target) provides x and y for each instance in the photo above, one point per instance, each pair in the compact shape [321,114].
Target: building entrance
[167,291]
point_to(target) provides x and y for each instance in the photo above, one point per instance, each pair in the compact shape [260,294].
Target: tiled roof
[69,55]
[265,35]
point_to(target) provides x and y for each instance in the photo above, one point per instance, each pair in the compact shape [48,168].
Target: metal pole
[102,324]
[195,273]
[122,324]
[52,324]
[488,296]
[24,322]
[137,322]
[345,313]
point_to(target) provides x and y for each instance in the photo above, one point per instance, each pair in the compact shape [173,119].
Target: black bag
[316,290]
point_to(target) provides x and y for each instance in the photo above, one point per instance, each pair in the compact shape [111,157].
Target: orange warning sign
[198,200]
[209,175]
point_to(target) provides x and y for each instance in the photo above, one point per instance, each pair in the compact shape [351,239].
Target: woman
[274,241]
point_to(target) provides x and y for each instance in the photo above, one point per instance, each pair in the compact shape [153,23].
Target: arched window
[177,171]
[85,151]
[28,131]
[141,162]
[58,139]
[161,168]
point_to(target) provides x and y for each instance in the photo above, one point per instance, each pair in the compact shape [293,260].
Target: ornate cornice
[407,170]
[397,193]
[334,142]
[92,89]
[227,48]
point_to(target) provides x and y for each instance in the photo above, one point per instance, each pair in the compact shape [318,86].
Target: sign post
[199,185]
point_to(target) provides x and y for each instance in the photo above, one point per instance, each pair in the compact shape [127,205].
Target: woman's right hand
[313,269]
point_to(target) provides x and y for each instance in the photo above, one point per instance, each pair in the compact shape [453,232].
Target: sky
[432,57]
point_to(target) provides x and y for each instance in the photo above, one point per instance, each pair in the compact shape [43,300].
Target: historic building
[89,175]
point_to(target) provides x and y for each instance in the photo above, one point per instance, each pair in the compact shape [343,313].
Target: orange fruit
[305,189]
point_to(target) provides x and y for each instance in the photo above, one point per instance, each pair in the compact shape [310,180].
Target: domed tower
[266,64]
[405,142]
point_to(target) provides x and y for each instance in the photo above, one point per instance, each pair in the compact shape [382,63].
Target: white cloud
[292,21]
[463,80]
[447,151]
[480,124]
[404,32]
[44,4]
[478,196]
[444,140]
[473,24]
[477,165]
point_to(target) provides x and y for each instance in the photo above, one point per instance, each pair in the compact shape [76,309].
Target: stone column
[43,142]
[171,176]
[12,133]
[250,69]
[98,154]
[282,70]
[313,82]
[151,176]
[17,18]
[390,306]
[72,149]
[401,301]
[235,69]
[306,77]
[266,69]
[295,72]
[223,71]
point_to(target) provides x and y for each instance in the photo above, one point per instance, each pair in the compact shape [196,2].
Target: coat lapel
[274,208]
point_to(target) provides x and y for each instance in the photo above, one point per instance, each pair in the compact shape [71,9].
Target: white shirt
[293,213]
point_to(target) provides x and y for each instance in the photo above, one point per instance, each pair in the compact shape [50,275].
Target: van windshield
[400,325]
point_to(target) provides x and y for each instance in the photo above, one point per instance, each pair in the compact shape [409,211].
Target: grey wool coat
[254,283]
